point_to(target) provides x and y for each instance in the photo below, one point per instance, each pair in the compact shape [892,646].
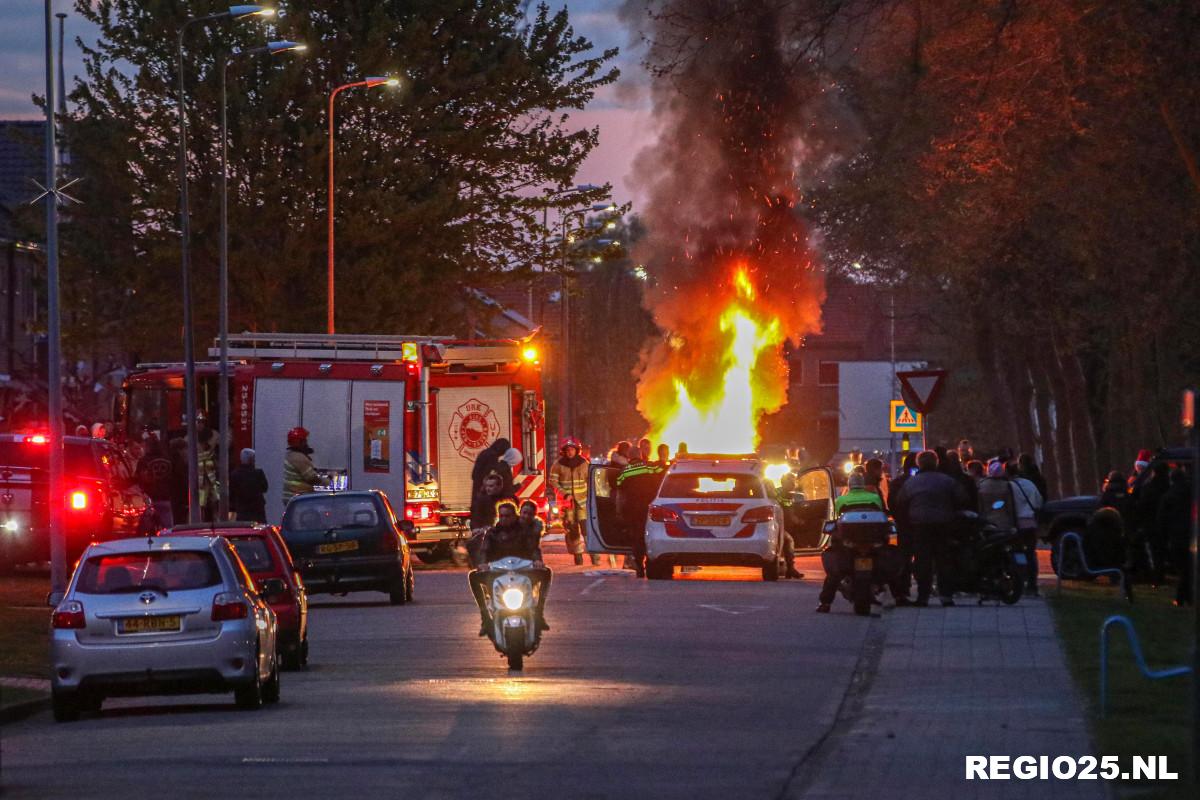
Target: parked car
[103,500]
[349,542]
[161,615]
[266,556]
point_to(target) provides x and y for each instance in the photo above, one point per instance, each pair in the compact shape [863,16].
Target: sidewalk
[936,685]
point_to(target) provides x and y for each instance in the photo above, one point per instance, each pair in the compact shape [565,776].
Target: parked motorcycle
[987,560]
[865,535]
[512,603]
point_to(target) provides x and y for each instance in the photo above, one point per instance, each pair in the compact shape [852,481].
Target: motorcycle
[512,603]
[866,535]
[987,560]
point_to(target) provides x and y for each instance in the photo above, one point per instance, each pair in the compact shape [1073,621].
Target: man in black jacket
[930,502]
[248,490]
[508,538]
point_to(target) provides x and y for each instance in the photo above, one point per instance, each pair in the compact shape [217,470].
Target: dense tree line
[439,182]
[1029,168]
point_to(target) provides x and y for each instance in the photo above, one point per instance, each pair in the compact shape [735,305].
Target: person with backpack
[1028,501]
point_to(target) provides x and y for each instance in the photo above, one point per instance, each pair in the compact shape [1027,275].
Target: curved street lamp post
[189,357]
[369,82]
[272,48]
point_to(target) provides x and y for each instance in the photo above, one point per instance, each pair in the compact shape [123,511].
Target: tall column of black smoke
[733,98]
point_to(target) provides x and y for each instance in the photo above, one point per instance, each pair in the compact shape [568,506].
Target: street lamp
[272,48]
[189,359]
[368,82]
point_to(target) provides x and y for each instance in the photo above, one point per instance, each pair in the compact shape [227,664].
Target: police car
[709,511]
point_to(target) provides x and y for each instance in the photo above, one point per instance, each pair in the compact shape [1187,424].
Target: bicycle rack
[1075,537]
[1136,646]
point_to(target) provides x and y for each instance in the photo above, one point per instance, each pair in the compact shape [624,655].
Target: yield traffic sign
[903,419]
[921,388]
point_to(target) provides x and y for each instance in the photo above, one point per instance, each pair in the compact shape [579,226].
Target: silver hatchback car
[161,615]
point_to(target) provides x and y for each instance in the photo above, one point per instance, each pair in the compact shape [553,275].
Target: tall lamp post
[270,48]
[189,358]
[57,491]
[369,82]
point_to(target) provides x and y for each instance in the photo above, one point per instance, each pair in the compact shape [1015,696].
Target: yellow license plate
[714,520]
[337,547]
[149,624]
[863,564]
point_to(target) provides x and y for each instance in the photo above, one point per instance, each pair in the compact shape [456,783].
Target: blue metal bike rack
[1075,537]
[1136,646]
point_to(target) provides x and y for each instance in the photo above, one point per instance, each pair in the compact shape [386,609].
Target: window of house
[796,372]
[827,373]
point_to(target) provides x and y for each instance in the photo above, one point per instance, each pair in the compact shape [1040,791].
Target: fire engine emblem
[472,428]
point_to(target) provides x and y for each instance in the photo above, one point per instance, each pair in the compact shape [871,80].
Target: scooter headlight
[513,598]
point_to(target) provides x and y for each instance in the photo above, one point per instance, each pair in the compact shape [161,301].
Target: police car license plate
[337,547]
[159,624]
[863,564]
[713,520]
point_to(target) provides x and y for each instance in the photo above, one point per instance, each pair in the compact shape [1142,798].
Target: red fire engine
[405,414]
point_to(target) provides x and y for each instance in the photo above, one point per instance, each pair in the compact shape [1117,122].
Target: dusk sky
[622,120]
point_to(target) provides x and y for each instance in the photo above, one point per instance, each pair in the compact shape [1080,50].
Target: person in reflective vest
[299,475]
[569,477]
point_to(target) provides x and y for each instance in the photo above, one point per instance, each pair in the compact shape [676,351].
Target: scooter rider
[508,538]
[838,559]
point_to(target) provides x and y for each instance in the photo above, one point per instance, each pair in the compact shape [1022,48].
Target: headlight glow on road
[513,599]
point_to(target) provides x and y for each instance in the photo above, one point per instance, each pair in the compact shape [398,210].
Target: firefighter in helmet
[299,475]
[569,477]
[208,450]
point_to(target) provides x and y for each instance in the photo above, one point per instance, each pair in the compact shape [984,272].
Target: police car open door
[812,506]
[604,533]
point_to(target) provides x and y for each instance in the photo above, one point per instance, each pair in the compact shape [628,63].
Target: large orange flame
[723,377]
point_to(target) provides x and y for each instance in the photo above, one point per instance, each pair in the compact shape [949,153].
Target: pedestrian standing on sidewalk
[931,500]
[1175,521]
[876,479]
[1029,502]
[155,476]
[904,535]
[1029,469]
[248,490]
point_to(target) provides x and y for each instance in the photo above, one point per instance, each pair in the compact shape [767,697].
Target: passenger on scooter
[509,538]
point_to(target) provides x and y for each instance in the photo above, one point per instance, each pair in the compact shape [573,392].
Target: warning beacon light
[409,352]
[530,354]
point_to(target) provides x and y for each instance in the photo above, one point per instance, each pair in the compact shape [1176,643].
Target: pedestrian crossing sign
[903,419]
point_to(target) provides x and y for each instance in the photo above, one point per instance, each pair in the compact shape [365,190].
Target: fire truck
[404,414]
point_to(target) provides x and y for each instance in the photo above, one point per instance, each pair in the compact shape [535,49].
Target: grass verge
[1145,717]
[24,626]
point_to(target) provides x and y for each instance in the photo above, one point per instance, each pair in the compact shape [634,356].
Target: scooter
[867,535]
[512,603]
[988,560]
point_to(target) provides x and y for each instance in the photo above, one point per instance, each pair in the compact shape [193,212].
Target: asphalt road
[701,687]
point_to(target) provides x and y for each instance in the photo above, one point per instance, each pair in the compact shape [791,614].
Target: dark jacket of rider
[504,541]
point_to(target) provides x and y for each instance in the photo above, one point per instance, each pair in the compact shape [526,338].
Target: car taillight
[228,605]
[663,514]
[69,615]
[759,514]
